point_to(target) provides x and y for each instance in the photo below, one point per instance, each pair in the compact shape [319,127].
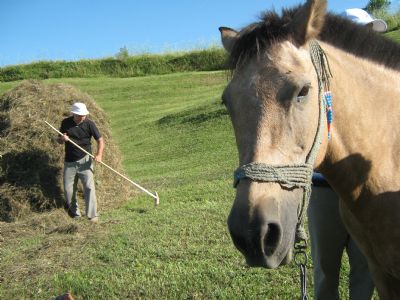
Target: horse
[281,68]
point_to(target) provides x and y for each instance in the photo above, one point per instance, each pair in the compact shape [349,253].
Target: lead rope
[322,68]
[299,176]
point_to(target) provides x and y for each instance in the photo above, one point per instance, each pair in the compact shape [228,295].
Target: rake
[155,195]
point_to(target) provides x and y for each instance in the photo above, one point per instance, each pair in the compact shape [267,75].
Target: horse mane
[337,31]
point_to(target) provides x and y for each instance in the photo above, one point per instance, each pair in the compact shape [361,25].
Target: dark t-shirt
[81,135]
[319,180]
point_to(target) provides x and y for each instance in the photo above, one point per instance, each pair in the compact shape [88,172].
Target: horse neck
[366,124]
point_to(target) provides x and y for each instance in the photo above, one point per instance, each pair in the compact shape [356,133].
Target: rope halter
[300,175]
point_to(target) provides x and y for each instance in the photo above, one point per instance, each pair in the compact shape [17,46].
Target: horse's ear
[228,38]
[308,21]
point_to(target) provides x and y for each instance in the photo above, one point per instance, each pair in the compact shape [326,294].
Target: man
[361,17]
[329,238]
[77,164]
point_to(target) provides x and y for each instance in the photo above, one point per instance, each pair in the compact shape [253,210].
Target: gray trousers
[329,238]
[83,170]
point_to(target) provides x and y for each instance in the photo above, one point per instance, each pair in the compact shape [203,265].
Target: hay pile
[31,161]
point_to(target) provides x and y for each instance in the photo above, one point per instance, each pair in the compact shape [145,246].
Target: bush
[123,54]
[392,19]
[374,5]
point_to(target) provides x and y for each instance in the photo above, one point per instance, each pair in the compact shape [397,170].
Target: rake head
[156,200]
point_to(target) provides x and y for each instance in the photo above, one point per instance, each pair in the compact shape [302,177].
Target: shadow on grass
[195,116]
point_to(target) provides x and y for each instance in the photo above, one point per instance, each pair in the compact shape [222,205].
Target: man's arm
[100,148]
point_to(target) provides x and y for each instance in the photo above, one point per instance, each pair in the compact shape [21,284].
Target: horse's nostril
[271,239]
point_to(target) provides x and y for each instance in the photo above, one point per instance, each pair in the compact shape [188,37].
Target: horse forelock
[258,37]
[342,33]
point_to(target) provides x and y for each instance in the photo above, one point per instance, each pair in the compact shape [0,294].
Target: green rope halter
[296,176]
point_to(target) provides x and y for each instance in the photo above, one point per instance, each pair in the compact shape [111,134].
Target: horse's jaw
[264,234]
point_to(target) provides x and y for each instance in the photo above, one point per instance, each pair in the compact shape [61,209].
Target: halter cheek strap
[298,176]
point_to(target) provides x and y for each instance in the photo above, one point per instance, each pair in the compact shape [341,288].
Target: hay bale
[31,161]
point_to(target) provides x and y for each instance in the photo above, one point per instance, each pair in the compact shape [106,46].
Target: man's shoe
[94,219]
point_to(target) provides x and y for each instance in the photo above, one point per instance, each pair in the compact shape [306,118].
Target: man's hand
[63,138]
[98,158]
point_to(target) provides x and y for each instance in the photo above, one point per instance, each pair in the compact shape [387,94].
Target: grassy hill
[210,59]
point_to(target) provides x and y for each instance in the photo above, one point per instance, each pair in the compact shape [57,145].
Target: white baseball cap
[360,16]
[80,109]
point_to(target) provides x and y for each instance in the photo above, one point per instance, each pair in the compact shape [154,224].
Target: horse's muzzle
[260,242]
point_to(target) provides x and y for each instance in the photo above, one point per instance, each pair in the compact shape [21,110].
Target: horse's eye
[303,93]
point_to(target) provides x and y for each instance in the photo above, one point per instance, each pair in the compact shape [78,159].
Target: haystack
[31,161]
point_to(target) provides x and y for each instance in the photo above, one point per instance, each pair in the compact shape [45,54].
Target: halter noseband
[298,176]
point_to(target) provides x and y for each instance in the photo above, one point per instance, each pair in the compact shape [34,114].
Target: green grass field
[176,139]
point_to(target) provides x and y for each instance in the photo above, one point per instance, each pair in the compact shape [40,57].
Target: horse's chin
[271,262]
[288,258]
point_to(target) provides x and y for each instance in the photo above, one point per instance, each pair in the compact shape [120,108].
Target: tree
[123,54]
[374,5]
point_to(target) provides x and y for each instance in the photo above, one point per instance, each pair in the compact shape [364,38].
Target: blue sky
[34,30]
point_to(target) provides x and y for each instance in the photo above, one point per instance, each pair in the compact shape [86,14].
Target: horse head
[273,102]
